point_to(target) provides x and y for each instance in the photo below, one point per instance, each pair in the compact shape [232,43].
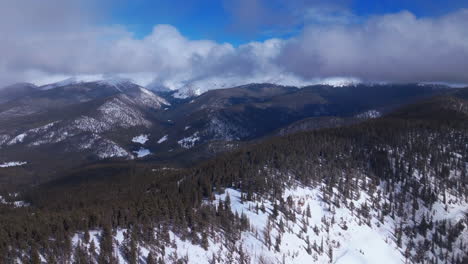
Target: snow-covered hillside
[303,228]
[122,111]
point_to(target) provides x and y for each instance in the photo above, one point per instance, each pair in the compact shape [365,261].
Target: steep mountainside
[79,122]
[75,124]
[389,190]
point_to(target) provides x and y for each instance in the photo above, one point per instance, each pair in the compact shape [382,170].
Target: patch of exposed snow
[112,150]
[17,203]
[12,164]
[142,152]
[141,139]
[189,142]
[18,139]
[161,140]
[20,204]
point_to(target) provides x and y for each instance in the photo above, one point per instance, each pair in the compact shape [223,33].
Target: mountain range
[81,122]
[108,171]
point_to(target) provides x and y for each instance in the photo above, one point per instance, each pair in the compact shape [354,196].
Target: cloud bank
[57,39]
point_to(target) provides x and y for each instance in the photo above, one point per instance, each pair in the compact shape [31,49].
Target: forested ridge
[406,163]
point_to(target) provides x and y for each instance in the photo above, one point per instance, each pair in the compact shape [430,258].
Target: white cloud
[395,47]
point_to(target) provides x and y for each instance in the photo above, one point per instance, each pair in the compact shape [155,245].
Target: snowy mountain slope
[388,190]
[305,227]
[116,81]
[91,114]
[216,121]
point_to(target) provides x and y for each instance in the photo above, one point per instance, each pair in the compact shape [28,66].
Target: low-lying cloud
[394,48]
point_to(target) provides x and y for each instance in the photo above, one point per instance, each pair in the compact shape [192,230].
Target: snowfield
[142,152]
[12,164]
[340,231]
[163,139]
[141,139]
[310,231]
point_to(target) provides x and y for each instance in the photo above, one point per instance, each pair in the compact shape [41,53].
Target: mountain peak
[116,81]
[110,81]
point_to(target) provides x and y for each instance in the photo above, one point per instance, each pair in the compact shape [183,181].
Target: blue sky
[216,19]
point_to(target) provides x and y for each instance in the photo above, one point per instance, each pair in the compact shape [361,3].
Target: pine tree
[80,255]
[150,259]
[204,241]
[35,258]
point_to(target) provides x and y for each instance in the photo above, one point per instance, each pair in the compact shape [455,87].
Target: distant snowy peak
[135,92]
[190,91]
[198,87]
[116,82]
[66,82]
[340,82]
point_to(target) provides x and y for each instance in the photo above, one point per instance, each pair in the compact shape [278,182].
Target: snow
[369,114]
[12,164]
[114,81]
[20,204]
[142,152]
[102,147]
[120,112]
[114,113]
[186,128]
[14,203]
[359,243]
[187,89]
[342,232]
[161,140]
[39,131]
[141,139]
[4,139]
[68,81]
[112,150]
[340,82]
[18,139]
[189,142]
[149,99]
